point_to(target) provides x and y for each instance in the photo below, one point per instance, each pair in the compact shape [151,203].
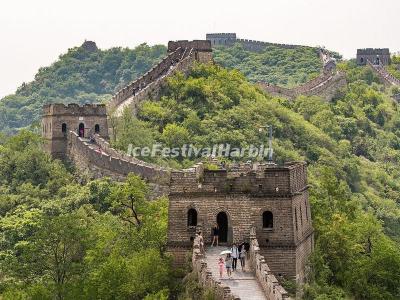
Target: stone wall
[243,198]
[229,39]
[375,56]
[385,77]
[97,163]
[325,85]
[150,76]
[272,289]
[206,279]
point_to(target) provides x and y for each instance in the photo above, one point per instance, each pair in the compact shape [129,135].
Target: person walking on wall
[235,256]
[242,256]
[215,233]
[228,265]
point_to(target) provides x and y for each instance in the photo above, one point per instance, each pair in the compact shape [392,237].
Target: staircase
[384,75]
[243,284]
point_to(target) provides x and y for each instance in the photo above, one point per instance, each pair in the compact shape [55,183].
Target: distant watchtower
[375,56]
[221,38]
[59,119]
[273,199]
[201,48]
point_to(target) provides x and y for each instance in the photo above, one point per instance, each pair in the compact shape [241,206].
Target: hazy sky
[33,33]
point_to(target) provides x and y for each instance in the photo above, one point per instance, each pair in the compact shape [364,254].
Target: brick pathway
[243,284]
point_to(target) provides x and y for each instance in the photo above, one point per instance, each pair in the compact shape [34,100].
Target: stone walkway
[243,283]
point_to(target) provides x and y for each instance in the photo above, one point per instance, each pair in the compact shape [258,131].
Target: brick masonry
[244,199]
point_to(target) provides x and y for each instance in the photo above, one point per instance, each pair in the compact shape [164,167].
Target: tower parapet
[376,56]
[58,119]
[272,199]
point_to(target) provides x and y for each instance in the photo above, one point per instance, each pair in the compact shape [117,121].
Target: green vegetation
[352,146]
[66,237]
[275,65]
[79,76]
[65,240]
[394,67]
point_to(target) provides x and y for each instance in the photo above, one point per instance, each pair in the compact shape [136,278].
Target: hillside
[275,65]
[110,249]
[352,146]
[82,75]
[87,75]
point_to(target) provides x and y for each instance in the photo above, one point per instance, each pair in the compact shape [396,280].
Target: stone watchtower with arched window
[59,119]
[271,198]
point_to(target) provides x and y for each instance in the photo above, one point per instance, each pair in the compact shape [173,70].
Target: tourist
[221,267]
[201,242]
[235,256]
[228,265]
[242,256]
[215,233]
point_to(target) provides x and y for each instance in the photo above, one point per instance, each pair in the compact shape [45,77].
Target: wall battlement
[196,45]
[277,181]
[74,109]
[229,39]
[377,56]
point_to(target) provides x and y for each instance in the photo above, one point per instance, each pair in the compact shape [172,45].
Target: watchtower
[59,119]
[271,198]
[374,56]
[201,48]
[221,38]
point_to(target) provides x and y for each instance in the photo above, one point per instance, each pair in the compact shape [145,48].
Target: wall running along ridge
[110,163]
[386,78]
[181,57]
[325,85]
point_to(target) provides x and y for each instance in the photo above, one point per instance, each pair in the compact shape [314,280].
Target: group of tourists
[234,254]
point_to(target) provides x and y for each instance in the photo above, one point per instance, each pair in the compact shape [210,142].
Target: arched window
[64,128]
[362,60]
[192,217]
[268,219]
[97,128]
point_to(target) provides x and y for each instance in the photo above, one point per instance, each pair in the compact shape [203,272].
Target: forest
[351,145]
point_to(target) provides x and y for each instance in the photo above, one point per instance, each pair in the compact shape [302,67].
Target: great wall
[279,247]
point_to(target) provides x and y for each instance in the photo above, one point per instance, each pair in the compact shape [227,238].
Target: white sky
[33,33]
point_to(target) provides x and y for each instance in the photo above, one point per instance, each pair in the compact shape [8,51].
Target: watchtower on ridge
[59,119]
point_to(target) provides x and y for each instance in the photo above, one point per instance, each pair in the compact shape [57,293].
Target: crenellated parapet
[278,181]
[272,288]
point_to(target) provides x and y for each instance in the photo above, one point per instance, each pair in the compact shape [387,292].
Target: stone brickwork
[222,292]
[243,199]
[230,39]
[325,85]
[374,56]
[272,289]
[181,57]
[59,119]
[385,77]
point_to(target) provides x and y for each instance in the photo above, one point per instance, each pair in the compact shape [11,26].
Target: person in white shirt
[235,256]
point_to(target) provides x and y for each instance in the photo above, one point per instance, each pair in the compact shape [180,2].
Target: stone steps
[243,284]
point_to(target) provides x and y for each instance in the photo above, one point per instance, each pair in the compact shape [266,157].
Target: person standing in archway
[215,233]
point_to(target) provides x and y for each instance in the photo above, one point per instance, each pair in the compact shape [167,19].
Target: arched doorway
[222,220]
[81,130]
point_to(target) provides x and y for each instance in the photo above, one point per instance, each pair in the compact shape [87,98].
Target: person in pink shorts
[221,266]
